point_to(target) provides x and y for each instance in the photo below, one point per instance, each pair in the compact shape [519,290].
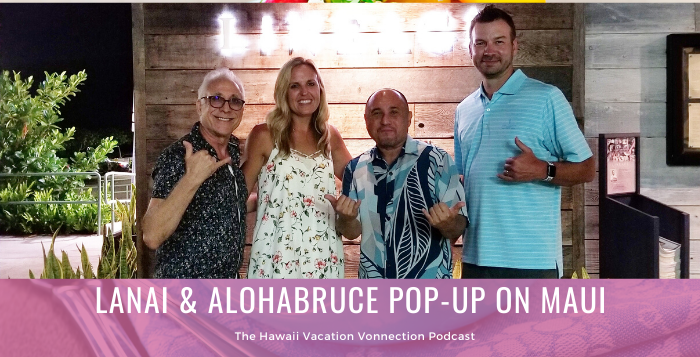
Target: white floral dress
[295,233]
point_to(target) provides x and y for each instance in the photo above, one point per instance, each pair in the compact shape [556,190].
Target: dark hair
[490,14]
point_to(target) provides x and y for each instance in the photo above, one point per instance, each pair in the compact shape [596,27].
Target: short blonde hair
[217,74]
[279,120]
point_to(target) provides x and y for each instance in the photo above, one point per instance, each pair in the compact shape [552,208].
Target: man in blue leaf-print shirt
[404,196]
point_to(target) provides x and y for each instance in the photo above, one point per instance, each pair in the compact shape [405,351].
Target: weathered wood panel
[566,198]
[578,97]
[202,52]
[424,85]
[626,85]
[591,241]
[674,196]
[536,47]
[648,119]
[201,18]
[435,120]
[695,259]
[624,50]
[655,173]
[592,224]
[250,222]
[243,271]
[566,227]
[567,253]
[144,261]
[544,48]
[593,144]
[592,192]
[592,256]
[560,77]
[352,260]
[342,86]
[639,18]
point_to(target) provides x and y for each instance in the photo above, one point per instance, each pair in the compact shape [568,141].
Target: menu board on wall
[621,157]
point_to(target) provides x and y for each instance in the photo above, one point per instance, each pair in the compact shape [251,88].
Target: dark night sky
[70,37]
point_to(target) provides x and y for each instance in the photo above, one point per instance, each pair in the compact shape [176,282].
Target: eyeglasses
[218,102]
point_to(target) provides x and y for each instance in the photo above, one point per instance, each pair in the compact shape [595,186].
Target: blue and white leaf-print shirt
[397,240]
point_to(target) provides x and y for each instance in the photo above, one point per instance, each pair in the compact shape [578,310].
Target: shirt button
[488,110]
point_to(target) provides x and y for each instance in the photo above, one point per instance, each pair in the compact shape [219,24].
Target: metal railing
[97,201]
[117,188]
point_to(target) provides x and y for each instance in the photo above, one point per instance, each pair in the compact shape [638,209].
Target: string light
[393,39]
[230,42]
[267,38]
[434,34]
[468,17]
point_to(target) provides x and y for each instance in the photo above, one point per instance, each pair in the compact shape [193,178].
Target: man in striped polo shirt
[516,143]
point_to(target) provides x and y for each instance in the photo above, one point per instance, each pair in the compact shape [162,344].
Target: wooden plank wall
[626,92]
[180,44]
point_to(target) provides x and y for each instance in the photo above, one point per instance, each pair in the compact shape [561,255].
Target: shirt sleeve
[349,188]
[458,144]
[564,139]
[449,188]
[168,171]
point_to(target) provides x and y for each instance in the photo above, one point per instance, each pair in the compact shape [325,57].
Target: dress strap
[311,156]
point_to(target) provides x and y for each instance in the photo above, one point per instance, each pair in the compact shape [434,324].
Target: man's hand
[441,216]
[200,165]
[346,208]
[524,167]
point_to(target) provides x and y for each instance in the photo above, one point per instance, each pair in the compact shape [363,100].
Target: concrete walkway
[19,254]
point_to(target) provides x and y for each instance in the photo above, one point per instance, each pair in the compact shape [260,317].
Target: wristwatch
[551,172]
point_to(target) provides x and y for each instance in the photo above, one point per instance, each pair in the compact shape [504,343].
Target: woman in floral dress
[293,158]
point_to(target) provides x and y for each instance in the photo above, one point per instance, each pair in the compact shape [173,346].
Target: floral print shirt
[209,241]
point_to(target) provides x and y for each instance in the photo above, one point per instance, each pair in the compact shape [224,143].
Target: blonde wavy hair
[279,120]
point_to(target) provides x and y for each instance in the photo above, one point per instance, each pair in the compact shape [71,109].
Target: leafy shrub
[29,143]
[117,260]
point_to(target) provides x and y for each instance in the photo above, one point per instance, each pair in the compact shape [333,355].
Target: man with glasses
[196,217]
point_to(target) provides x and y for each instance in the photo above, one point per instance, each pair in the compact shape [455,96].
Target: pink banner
[350,317]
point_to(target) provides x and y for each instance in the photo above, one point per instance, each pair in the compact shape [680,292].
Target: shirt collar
[199,143]
[511,86]
[409,147]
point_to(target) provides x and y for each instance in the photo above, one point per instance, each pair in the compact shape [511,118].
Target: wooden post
[578,102]
[142,194]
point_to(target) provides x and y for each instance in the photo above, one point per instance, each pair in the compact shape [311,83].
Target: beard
[494,70]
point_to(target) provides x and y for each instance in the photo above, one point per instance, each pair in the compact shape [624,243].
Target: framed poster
[683,99]
[619,158]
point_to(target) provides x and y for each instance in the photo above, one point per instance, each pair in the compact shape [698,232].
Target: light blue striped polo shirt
[514,225]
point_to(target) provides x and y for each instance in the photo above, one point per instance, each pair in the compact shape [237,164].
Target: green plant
[30,142]
[117,260]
